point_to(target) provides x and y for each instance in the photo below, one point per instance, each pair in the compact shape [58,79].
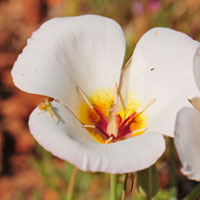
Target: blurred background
[27,172]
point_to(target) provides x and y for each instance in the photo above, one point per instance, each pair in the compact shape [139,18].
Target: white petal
[69,141]
[162,68]
[85,51]
[187,141]
[197,67]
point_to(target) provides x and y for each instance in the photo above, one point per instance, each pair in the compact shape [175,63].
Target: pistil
[112,128]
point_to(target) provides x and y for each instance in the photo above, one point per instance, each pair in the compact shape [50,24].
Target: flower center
[107,121]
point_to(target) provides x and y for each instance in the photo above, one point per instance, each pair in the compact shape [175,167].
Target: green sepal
[148,182]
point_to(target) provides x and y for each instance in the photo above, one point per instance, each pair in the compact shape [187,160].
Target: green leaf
[148,182]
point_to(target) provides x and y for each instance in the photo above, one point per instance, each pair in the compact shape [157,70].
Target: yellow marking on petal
[139,122]
[133,105]
[94,117]
[101,100]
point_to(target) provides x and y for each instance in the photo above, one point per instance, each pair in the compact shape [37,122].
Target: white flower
[187,131]
[76,58]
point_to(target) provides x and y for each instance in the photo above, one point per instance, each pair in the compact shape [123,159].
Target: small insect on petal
[47,107]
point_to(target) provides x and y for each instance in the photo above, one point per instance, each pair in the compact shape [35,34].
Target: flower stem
[194,194]
[71,184]
[113,185]
[173,184]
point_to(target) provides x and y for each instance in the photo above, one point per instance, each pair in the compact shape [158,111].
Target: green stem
[173,166]
[194,194]
[71,184]
[113,187]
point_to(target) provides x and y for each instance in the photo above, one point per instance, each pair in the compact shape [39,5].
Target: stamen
[73,114]
[125,122]
[142,130]
[108,140]
[88,126]
[145,106]
[136,132]
[84,97]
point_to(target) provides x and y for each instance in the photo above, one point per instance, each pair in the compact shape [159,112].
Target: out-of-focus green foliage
[148,181]
[88,185]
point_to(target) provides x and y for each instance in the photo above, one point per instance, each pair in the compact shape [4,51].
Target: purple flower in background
[154,5]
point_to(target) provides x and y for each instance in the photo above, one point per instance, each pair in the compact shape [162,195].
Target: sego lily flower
[104,125]
[187,131]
